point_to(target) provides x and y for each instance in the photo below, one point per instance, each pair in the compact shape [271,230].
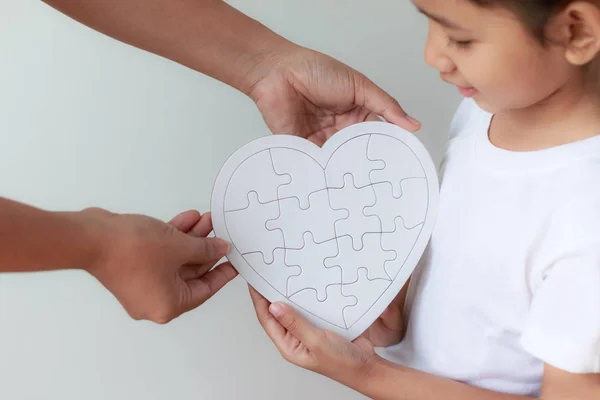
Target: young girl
[506,301]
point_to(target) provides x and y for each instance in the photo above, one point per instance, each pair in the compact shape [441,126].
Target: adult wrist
[264,61]
[91,237]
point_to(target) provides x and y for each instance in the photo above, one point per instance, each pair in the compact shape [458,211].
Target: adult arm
[298,91]
[208,36]
[131,255]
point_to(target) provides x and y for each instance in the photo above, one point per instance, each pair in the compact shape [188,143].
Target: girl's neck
[568,115]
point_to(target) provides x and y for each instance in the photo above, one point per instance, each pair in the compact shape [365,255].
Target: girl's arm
[387,381]
[356,365]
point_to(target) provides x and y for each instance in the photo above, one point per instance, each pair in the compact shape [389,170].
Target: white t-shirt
[511,277]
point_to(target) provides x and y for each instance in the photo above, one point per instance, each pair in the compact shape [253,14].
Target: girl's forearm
[388,381]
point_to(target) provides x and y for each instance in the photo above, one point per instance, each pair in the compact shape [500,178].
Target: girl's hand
[389,328]
[315,349]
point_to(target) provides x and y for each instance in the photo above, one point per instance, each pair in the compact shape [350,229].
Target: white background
[88,121]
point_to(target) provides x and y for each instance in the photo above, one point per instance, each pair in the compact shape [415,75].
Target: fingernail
[276,309]
[412,120]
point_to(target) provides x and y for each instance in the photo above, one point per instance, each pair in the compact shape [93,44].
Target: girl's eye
[461,44]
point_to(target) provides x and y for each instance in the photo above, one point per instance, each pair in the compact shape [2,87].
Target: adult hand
[311,95]
[158,271]
[318,350]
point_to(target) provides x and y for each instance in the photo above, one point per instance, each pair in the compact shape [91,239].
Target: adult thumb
[294,323]
[378,101]
[205,249]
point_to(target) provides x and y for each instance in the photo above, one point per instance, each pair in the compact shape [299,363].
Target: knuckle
[163,315]
[291,325]
[135,316]
[162,319]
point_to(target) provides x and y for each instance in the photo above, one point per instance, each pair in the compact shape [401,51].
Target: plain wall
[88,121]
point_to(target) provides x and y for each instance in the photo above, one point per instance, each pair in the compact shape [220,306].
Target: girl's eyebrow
[442,21]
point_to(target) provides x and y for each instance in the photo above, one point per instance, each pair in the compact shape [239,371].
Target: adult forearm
[34,240]
[206,35]
[388,381]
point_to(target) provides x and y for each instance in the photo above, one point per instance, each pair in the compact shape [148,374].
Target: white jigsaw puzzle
[372,256]
[334,231]
[410,206]
[273,273]
[311,259]
[294,222]
[367,291]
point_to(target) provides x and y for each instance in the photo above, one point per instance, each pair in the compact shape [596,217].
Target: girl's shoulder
[467,113]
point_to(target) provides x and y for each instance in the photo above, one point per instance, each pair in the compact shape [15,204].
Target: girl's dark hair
[534,13]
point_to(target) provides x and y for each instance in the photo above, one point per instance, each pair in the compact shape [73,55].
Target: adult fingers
[372,117]
[203,227]
[208,285]
[195,271]
[376,100]
[186,220]
[202,250]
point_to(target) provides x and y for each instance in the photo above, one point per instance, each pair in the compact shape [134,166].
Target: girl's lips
[467,92]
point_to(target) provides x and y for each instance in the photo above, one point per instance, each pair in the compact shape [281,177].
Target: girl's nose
[435,56]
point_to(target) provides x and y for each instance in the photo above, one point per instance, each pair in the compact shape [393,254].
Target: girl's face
[490,55]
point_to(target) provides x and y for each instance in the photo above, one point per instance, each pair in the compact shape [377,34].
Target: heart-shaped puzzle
[334,231]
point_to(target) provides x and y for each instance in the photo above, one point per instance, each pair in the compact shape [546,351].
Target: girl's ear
[577,27]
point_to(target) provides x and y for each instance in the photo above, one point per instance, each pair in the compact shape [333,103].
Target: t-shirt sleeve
[563,325]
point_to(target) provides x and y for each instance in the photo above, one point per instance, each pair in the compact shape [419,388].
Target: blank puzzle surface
[334,231]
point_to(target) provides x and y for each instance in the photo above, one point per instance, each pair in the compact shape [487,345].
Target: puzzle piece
[277,273]
[402,241]
[397,157]
[328,229]
[340,164]
[371,256]
[318,218]
[411,206]
[262,240]
[331,309]
[306,174]
[354,199]
[243,182]
[367,291]
[314,274]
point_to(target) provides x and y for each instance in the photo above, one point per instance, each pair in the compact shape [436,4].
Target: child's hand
[318,350]
[157,271]
[389,328]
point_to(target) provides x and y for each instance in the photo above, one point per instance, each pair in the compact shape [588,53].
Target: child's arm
[356,365]
[131,255]
[387,381]
[390,327]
